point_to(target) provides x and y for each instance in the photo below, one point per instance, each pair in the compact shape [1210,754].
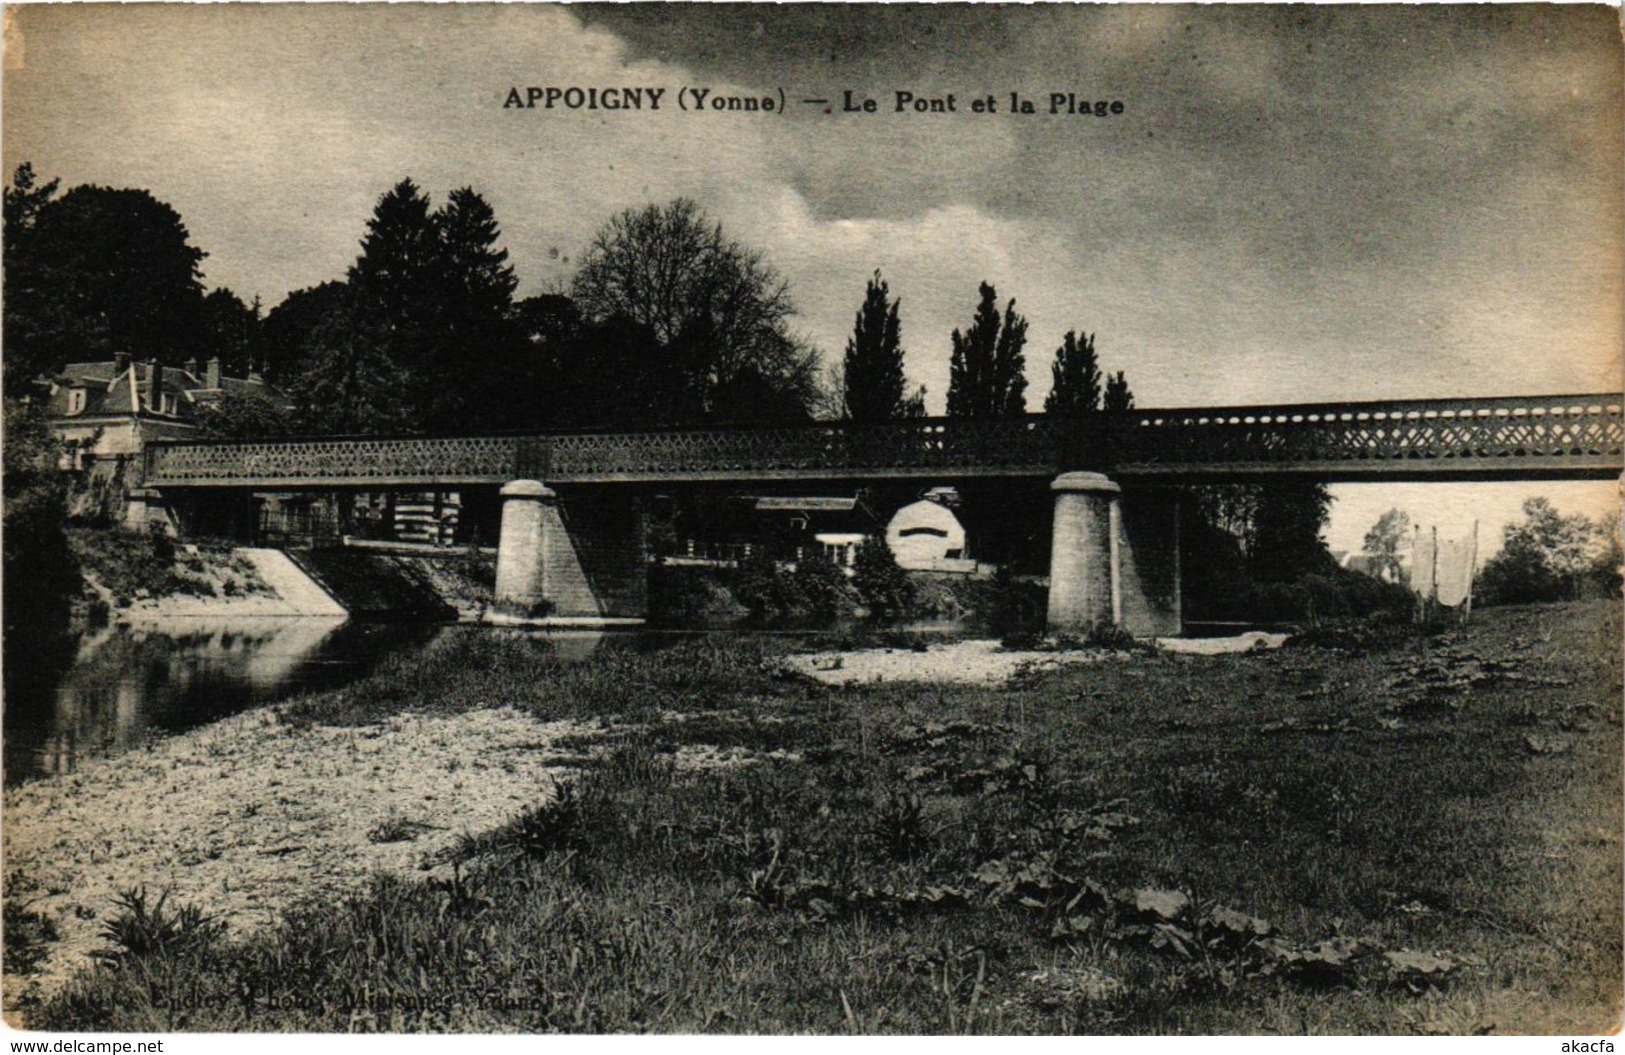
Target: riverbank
[1313,839]
[245,817]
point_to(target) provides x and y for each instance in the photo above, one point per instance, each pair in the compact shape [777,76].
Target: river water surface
[129,684]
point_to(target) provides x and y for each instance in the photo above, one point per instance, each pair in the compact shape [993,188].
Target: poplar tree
[1118,396]
[872,381]
[1075,374]
[986,374]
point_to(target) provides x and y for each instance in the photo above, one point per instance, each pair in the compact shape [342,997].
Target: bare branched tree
[711,302]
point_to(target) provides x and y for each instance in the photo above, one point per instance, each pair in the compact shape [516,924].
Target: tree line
[667,320]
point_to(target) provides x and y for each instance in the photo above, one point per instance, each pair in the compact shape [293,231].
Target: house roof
[114,388]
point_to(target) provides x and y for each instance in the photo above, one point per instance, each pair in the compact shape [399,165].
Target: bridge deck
[1540,437]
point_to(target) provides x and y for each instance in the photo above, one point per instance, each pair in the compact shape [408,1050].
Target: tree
[350,381]
[1075,378]
[244,416]
[986,373]
[29,315]
[1118,396]
[286,334]
[1391,531]
[481,281]
[397,285]
[230,330]
[422,333]
[1547,557]
[1284,542]
[872,381]
[718,312]
[93,272]
[476,339]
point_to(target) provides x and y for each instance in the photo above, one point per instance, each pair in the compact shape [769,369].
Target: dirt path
[246,816]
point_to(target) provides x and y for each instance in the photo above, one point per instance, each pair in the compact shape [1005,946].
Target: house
[1380,566]
[105,413]
[835,524]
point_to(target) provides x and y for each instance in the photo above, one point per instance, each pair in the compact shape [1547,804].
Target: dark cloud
[1300,202]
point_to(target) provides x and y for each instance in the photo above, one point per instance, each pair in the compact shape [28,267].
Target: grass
[1310,840]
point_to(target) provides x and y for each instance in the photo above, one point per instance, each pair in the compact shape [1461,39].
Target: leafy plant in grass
[899,825]
[140,930]
[396,830]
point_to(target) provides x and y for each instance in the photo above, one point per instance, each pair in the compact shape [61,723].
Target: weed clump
[28,937]
[139,930]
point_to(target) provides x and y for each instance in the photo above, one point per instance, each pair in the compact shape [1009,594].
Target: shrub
[1014,609]
[813,592]
[756,586]
[883,586]
[818,590]
[128,565]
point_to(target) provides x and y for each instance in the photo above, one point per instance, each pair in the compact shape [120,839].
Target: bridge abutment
[1113,562]
[145,510]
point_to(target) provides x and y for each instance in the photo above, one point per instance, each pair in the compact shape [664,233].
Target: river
[127,685]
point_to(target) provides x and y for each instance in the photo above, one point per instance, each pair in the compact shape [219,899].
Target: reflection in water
[127,684]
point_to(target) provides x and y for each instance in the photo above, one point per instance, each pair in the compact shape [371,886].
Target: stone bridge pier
[1114,557]
[585,563]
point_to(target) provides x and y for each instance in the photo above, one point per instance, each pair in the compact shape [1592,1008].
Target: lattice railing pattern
[333,462]
[1549,432]
[1534,436]
[1001,445]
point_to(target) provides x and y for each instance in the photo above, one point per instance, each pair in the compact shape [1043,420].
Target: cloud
[1298,204]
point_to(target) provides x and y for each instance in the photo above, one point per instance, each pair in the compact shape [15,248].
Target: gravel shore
[246,816]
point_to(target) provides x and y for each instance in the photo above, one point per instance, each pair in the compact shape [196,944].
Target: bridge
[1547,437]
[1114,537]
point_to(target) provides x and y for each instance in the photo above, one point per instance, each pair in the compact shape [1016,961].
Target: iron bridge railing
[1575,436]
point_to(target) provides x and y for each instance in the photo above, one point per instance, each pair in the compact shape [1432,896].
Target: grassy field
[1423,838]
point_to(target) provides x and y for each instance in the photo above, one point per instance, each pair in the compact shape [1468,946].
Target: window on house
[76,400]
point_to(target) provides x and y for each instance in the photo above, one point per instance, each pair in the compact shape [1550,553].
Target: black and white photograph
[813,519]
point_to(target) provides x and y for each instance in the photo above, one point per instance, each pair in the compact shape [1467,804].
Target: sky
[1296,204]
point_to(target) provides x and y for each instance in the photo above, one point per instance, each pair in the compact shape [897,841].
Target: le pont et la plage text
[700,100]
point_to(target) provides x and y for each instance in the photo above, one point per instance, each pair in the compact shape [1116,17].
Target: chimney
[191,366]
[212,378]
[121,361]
[155,386]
